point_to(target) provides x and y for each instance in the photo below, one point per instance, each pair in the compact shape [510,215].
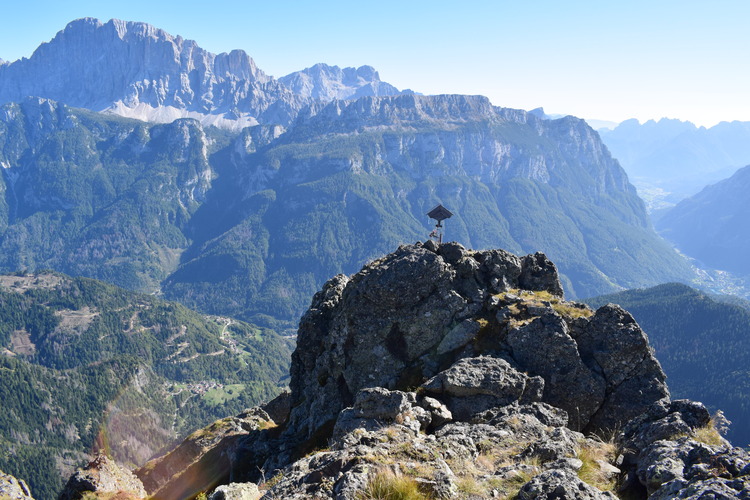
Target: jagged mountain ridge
[676,156]
[136,70]
[327,83]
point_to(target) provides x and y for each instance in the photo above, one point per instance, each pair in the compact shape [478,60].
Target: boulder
[236,491]
[561,484]
[473,385]
[101,476]
[204,459]
[424,308]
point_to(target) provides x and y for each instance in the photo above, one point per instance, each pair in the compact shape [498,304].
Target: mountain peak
[327,83]
[137,70]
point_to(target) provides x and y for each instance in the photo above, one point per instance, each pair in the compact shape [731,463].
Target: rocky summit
[442,372]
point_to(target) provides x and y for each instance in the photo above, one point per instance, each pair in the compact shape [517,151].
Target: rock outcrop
[463,374]
[202,461]
[674,451]
[13,489]
[102,475]
[428,314]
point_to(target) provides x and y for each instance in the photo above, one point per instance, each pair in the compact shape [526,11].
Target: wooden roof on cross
[439,213]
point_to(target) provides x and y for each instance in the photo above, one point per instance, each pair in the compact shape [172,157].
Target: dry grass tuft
[386,485]
[591,453]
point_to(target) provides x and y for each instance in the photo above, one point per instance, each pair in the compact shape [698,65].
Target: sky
[606,60]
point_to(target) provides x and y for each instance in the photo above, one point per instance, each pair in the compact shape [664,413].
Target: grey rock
[555,445]
[439,413]
[398,310]
[139,71]
[380,403]
[458,336]
[619,348]
[445,486]
[714,488]
[663,420]
[13,489]
[561,484]
[377,407]
[564,463]
[684,468]
[102,475]
[544,413]
[662,462]
[327,83]
[473,385]
[236,491]
[545,348]
[207,457]
[539,273]
[278,408]
[452,252]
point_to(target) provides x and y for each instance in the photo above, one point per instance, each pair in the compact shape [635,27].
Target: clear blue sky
[599,59]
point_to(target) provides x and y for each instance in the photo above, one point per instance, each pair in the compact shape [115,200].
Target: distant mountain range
[669,160]
[326,83]
[136,70]
[702,344]
[713,226]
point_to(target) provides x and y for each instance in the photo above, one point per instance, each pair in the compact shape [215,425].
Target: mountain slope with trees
[250,224]
[703,345]
[85,366]
[352,179]
[713,226]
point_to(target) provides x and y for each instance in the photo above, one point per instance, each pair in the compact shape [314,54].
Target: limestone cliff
[328,83]
[139,71]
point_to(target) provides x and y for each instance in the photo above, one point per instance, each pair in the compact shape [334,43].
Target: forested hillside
[703,345]
[86,365]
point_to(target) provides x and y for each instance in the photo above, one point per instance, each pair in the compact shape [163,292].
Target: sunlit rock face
[136,70]
[327,83]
